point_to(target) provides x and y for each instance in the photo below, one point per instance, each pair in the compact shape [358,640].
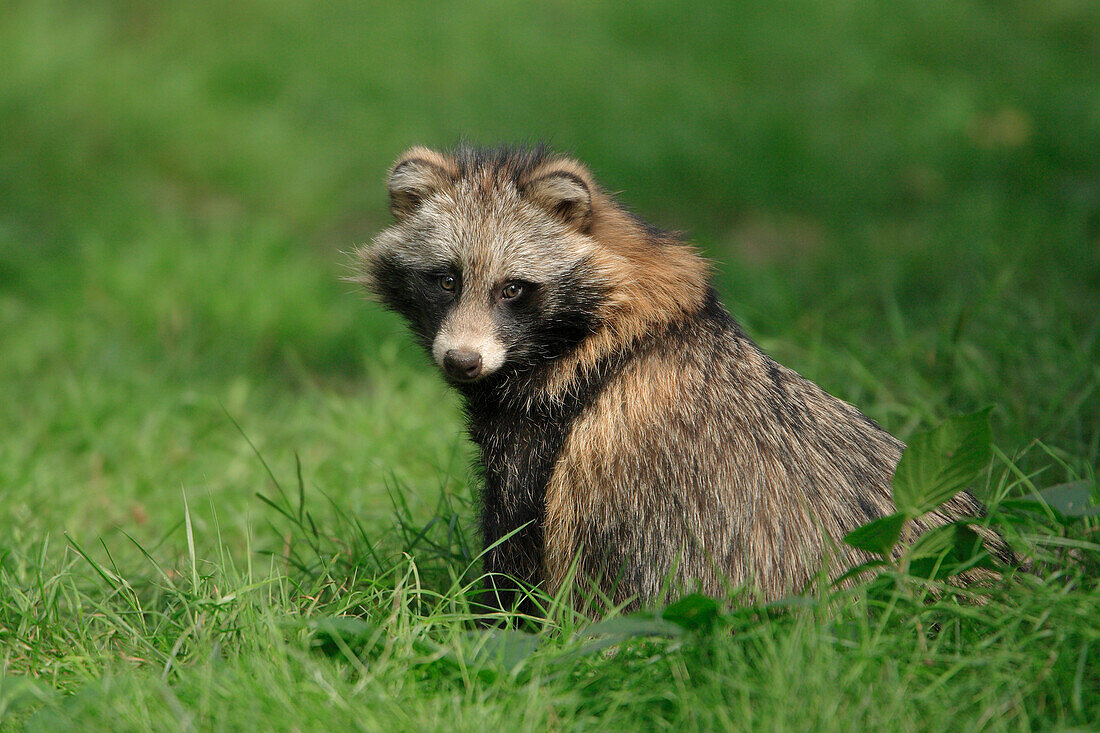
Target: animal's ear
[415,176]
[564,192]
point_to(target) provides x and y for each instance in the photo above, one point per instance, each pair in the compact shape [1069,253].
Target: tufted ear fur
[415,176]
[563,192]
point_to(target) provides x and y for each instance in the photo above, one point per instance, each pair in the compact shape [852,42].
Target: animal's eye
[448,283]
[511,290]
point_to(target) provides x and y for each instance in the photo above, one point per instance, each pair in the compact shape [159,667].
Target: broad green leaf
[879,535]
[610,632]
[695,612]
[636,624]
[1071,501]
[946,551]
[942,462]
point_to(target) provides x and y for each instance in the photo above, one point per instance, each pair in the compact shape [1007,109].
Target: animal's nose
[462,363]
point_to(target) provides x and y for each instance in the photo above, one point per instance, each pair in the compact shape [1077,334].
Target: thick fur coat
[628,428]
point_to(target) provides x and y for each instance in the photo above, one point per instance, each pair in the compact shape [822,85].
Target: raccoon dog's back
[628,428]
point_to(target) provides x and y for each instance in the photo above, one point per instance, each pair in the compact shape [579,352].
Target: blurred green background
[902,200]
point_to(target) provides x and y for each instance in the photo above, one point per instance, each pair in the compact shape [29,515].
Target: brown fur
[662,445]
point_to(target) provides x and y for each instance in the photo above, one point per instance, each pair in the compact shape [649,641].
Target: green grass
[902,202]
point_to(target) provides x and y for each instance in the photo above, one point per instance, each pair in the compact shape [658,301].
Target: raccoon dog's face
[489,259]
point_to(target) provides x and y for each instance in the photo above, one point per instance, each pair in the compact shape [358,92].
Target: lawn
[234,494]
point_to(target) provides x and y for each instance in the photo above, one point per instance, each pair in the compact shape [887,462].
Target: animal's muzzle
[464,364]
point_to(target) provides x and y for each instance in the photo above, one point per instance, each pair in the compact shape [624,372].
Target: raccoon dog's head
[491,258]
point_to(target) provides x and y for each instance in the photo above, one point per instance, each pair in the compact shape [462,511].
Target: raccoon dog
[631,436]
